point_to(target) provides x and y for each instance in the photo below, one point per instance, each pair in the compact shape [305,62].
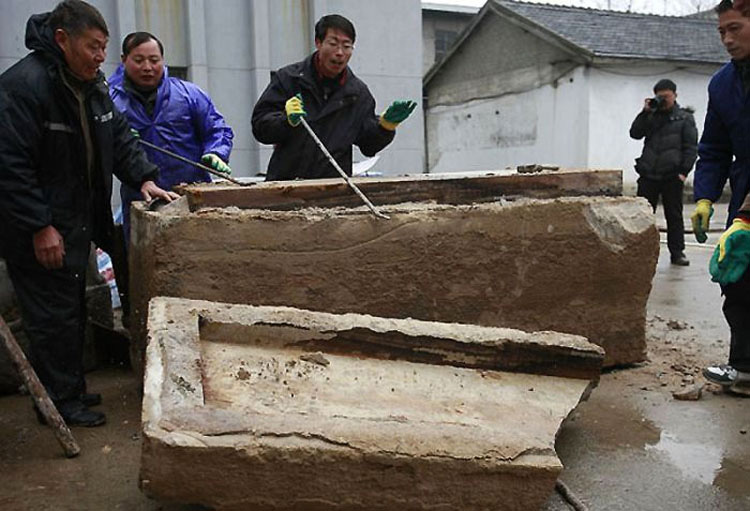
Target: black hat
[665,84]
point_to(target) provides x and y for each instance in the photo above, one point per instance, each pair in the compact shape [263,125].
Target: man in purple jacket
[168,112]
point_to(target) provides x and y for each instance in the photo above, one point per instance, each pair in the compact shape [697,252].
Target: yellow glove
[216,163]
[700,219]
[295,110]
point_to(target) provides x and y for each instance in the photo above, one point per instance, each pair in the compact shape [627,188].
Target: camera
[656,102]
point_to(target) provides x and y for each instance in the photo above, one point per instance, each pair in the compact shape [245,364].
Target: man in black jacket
[337,105]
[669,153]
[60,141]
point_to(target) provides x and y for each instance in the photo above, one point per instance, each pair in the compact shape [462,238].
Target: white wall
[617,94]
[543,125]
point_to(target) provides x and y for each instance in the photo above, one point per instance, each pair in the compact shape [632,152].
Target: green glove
[732,254]
[295,110]
[396,114]
[135,133]
[216,163]
[700,218]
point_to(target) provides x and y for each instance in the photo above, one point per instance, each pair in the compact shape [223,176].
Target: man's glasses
[335,44]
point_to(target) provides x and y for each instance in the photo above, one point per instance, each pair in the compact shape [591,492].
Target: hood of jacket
[41,38]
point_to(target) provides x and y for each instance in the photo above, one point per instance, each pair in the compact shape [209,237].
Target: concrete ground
[631,446]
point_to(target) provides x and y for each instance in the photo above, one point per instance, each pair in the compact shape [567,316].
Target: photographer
[669,153]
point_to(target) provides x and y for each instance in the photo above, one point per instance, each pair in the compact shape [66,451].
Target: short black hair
[75,17]
[723,6]
[665,84]
[135,39]
[335,21]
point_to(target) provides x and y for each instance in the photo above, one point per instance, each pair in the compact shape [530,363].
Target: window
[444,39]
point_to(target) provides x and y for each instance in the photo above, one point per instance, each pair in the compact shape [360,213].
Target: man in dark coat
[337,105]
[61,139]
[669,153]
[724,153]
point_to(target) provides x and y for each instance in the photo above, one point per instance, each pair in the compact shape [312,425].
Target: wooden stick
[38,392]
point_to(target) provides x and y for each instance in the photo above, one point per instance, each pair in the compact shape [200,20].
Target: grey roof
[629,35]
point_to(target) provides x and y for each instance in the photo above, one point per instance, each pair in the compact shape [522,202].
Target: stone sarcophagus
[275,408]
[473,250]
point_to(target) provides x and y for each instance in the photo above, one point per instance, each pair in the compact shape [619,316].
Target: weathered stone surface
[274,408]
[576,265]
[443,188]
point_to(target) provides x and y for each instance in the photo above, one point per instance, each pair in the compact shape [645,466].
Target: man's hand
[150,191]
[49,248]
[216,163]
[732,255]
[295,110]
[700,219]
[396,114]
[647,105]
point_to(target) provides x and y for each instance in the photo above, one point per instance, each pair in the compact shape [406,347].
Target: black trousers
[737,312]
[670,191]
[53,308]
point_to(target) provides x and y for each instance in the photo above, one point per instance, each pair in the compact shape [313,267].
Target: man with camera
[669,152]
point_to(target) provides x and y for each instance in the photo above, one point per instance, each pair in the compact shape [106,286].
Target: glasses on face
[335,44]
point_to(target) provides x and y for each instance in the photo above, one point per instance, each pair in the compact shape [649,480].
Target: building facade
[531,83]
[229,48]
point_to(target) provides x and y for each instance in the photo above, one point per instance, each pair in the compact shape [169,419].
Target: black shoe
[91,399]
[75,413]
[680,260]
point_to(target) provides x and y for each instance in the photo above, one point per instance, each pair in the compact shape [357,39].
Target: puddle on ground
[697,461]
[701,442]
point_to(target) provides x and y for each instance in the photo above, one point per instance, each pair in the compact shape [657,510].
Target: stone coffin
[579,265]
[275,408]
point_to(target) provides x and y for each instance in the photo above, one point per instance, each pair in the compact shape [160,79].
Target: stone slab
[443,188]
[275,408]
[581,265]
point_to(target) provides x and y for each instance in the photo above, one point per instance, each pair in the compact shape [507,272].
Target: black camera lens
[656,102]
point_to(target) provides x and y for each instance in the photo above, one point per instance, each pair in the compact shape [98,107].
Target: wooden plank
[454,189]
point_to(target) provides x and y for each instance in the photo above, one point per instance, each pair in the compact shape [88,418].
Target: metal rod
[341,171]
[194,163]
[43,403]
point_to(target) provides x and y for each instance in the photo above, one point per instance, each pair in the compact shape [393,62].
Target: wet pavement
[632,446]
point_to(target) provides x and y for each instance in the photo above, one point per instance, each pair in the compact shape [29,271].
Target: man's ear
[62,39]
[123,58]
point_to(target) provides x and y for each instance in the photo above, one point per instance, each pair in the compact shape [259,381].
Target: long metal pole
[193,163]
[342,173]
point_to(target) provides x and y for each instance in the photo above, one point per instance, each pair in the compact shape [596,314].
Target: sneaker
[723,374]
[680,260]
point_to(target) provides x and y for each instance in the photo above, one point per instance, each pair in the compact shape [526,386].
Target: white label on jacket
[58,126]
[104,117]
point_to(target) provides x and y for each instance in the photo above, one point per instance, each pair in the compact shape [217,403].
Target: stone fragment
[692,393]
[240,411]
